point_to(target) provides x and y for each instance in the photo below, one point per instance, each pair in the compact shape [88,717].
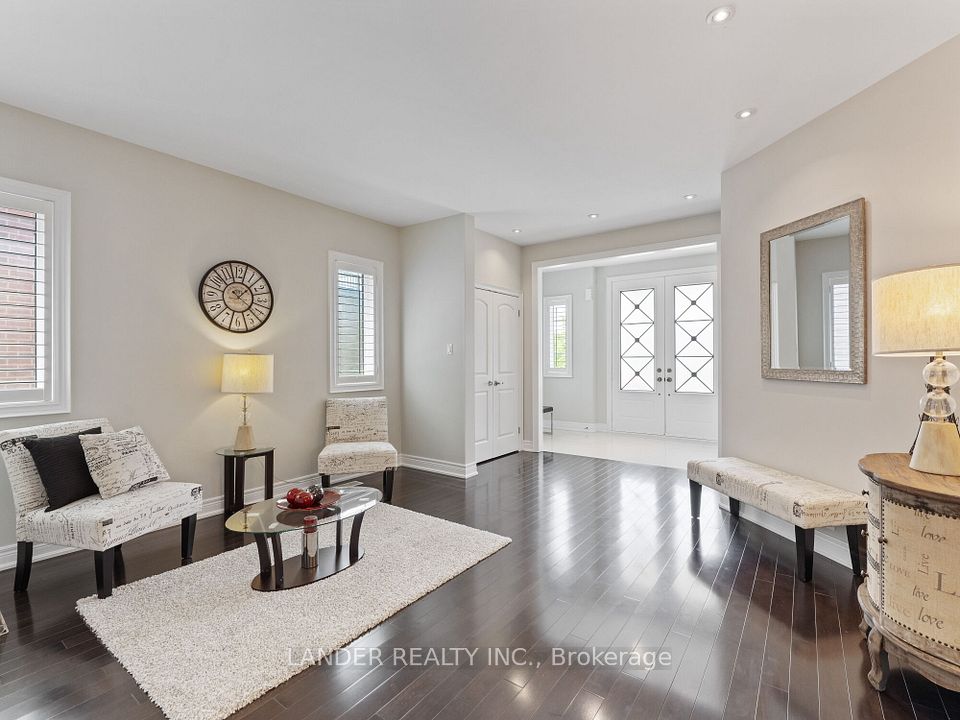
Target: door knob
[497,382]
[659,379]
[669,379]
[489,382]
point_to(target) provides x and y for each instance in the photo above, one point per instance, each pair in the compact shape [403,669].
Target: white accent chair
[93,523]
[357,441]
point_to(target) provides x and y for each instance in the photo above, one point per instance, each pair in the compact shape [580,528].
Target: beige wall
[603,244]
[438,285]
[146,226]
[498,262]
[898,145]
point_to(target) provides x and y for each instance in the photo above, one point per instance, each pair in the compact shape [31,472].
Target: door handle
[669,379]
[659,379]
[497,382]
[489,382]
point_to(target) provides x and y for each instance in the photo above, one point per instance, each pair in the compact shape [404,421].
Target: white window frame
[831,278]
[549,302]
[342,261]
[55,205]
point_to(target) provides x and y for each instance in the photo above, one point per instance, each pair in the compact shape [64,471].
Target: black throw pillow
[62,467]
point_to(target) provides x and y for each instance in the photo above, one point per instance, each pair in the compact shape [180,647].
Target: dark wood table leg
[355,537]
[263,553]
[228,486]
[103,564]
[241,471]
[805,539]
[277,561]
[268,476]
[119,569]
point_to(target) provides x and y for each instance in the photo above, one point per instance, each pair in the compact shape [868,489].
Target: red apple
[304,499]
[292,495]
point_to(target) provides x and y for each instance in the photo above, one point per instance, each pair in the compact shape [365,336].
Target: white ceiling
[523,113]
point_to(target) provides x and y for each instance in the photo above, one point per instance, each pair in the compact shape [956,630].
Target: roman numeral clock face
[236,296]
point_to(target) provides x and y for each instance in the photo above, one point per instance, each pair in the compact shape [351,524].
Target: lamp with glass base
[246,374]
[917,313]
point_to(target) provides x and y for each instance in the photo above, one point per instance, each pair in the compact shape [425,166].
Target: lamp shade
[247,374]
[917,312]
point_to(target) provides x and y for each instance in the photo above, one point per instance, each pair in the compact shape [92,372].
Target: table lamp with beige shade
[246,374]
[917,313]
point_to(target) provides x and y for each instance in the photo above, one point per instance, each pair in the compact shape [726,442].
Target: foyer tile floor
[629,447]
[604,555]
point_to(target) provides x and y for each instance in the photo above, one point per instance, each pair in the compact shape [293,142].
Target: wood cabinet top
[893,470]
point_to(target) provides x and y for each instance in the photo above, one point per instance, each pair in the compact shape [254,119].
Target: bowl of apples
[312,498]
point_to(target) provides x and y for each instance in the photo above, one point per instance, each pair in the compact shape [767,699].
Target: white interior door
[483,375]
[507,357]
[637,392]
[497,373]
[691,369]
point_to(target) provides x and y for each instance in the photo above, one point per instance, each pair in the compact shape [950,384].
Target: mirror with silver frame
[812,278]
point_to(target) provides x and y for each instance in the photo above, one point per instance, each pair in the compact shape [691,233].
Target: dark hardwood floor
[604,555]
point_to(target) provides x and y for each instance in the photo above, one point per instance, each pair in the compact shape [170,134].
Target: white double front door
[497,373]
[663,367]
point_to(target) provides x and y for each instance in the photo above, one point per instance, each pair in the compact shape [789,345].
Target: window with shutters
[356,343]
[34,296]
[557,328]
[836,320]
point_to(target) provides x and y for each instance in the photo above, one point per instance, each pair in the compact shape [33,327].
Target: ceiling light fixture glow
[720,15]
[517,231]
[746,113]
[691,196]
[593,216]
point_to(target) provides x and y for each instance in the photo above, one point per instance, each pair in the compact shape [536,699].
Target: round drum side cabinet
[911,597]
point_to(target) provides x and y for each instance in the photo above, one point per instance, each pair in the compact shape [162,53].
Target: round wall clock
[235,296]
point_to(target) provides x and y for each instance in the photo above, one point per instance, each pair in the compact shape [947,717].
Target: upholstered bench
[804,503]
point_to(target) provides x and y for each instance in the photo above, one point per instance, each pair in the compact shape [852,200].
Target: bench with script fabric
[804,503]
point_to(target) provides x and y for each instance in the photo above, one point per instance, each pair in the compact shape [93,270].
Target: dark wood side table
[234,475]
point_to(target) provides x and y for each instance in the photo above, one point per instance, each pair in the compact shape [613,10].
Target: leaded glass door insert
[638,335]
[662,351]
[694,338]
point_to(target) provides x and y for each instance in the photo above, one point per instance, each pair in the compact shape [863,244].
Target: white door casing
[497,374]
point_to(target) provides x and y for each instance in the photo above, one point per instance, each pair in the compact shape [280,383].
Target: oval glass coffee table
[265,520]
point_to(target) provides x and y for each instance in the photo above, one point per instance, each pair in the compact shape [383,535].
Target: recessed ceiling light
[720,15]
[593,216]
[746,113]
[517,231]
[691,196]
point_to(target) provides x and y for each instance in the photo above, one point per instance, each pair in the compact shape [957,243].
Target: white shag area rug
[203,644]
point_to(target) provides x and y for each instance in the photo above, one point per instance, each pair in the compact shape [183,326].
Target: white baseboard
[211,506]
[825,541]
[41,551]
[578,426]
[442,467]
[527,446]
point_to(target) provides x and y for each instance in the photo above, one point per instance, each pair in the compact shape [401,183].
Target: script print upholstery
[93,523]
[800,501]
[356,437]
[122,461]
